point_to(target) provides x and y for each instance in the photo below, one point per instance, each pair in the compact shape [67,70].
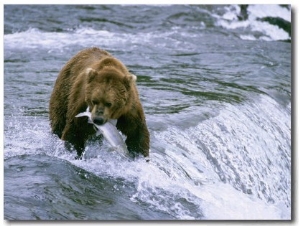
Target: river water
[216,92]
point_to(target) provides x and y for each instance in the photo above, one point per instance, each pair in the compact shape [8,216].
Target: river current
[215,84]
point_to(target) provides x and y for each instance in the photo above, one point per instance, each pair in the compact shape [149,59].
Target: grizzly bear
[94,78]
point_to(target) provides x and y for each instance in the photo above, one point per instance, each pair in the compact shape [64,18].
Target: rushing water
[216,90]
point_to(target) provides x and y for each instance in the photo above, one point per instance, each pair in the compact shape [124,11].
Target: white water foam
[57,41]
[272,10]
[34,38]
[268,31]
[250,148]
[245,176]
[204,172]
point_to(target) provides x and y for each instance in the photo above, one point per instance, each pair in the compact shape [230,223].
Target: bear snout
[99,120]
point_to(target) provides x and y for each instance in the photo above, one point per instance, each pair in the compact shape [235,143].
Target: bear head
[108,93]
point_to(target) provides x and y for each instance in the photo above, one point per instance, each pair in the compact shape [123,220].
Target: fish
[109,131]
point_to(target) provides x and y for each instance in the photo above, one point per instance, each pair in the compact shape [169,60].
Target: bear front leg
[138,141]
[76,139]
[79,149]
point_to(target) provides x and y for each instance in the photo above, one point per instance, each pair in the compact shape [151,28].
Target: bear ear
[90,73]
[133,76]
[129,80]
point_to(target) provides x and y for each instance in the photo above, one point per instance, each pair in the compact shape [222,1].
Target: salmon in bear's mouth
[109,131]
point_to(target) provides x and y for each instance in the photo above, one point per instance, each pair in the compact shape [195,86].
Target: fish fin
[82,114]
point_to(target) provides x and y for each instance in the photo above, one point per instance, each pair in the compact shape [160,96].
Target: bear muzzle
[98,116]
[98,120]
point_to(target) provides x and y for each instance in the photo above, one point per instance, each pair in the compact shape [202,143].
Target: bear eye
[95,102]
[107,104]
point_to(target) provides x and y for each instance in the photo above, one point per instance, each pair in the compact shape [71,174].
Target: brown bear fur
[96,79]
